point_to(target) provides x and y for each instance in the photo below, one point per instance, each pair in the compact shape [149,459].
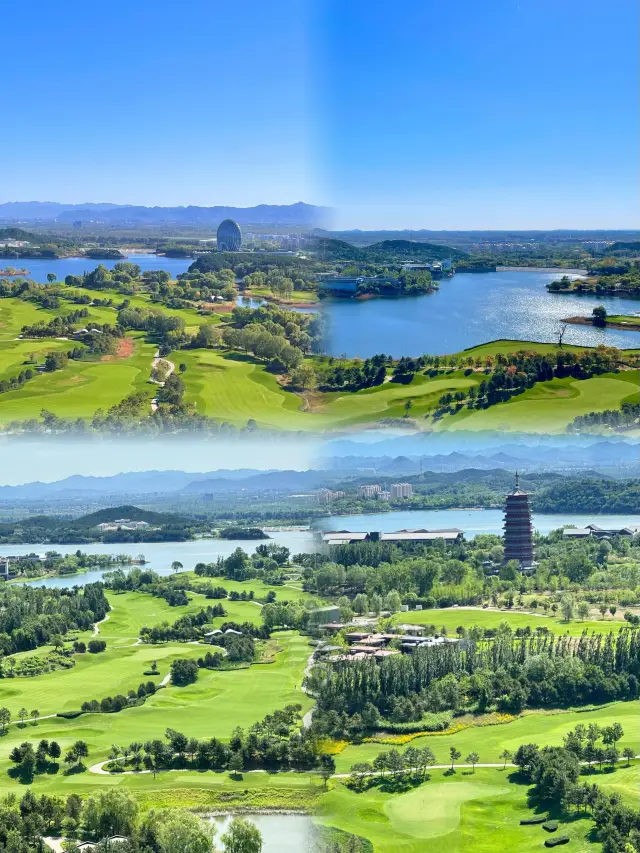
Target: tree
[183,671]
[505,755]
[242,837]
[603,610]
[236,764]
[327,768]
[454,755]
[407,408]
[613,610]
[34,716]
[583,610]
[112,812]
[628,753]
[599,316]
[23,714]
[566,605]
[180,831]
[51,277]
[176,566]
[5,719]
[472,759]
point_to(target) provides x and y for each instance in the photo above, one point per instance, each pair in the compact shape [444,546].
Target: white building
[369,492]
[401,490]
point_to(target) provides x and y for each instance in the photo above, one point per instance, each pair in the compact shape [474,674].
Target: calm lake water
[160,555]
[62,267]
[469,309]
[289,833]
[471,521]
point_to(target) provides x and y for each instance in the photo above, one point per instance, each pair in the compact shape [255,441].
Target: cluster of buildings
[378,646]
[349,537]
[122,524]
[600,532]
[327,496]
[376,492]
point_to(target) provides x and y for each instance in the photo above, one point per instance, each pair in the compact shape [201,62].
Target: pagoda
[518,530]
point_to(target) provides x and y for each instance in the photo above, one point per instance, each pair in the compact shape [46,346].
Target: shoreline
[565,270]
[586,321]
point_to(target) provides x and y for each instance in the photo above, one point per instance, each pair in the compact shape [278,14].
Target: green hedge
[550,825]
[554,842]
[529,821]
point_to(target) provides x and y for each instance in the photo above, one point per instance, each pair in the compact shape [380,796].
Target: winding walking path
[154,363]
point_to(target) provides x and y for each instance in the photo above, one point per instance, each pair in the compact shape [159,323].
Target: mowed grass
[543,728]
[465,811]
[551,406]
[469,617]
[82,387]
[213,706]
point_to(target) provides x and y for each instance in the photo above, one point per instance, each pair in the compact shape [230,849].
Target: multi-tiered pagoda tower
[518,530]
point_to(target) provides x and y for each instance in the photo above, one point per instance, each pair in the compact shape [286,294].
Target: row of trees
[25,822]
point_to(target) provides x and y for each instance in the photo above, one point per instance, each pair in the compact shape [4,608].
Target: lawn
[551,406]
[82,387]
[468,617]
[478,811]
[545,728]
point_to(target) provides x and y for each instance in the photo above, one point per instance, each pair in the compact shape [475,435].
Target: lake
[160,555]
[62,267]
[471,521]
[282,833]
[469,309]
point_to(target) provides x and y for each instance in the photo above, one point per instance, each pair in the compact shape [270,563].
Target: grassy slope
[551,406]
[533,727]
[451,618]
[233,388]
[477,811]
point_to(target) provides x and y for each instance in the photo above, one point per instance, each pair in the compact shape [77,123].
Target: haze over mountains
[345,461]
[299,214]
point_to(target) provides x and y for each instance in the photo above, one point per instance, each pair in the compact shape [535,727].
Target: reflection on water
[282,833]
[467,310]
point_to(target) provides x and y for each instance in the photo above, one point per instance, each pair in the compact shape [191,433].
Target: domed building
[229,236]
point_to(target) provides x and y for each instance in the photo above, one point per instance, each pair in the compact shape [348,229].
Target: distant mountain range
[165,482]
[299,214]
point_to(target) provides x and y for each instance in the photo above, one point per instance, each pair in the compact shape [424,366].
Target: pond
[471,521]
[281,833]
[62,267]
[469,309]
[160,555]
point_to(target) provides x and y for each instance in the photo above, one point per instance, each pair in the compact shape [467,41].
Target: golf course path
[100,771]
[155,362]
[96,629]
[306,720]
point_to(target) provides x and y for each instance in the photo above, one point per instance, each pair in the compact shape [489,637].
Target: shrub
[96,646]
[531,821]
[550,825]
[554,842]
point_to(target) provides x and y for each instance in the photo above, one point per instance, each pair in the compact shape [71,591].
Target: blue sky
[156,102]
[419,113]
[480,113]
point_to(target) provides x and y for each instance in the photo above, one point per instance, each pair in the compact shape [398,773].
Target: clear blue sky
[469,114]
[414,113]
[156,102]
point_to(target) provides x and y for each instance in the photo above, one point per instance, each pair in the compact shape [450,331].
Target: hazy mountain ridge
[300,213]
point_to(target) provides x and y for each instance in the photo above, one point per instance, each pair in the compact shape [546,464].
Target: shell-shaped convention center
[229,236]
